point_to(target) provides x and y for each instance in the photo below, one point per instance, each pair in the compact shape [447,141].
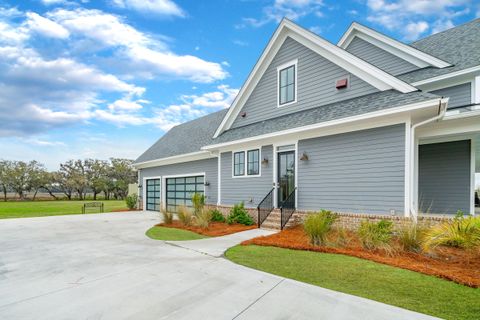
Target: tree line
[74,179]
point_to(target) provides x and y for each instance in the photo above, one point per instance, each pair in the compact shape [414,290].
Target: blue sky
[107,78]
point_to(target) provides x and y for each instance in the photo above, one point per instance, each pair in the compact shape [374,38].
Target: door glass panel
[153,194]
[180,191]
[286,175]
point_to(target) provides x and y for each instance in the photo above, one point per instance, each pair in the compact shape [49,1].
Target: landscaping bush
[410,237]
[376,235]
[185,215]
[217,216]
[317,226]
[460,233]
[198,201]
[167,216]
[131,201]
[343,238]
[203,219]
[238,214]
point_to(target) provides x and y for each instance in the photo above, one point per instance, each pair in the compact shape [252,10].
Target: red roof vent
[342,83]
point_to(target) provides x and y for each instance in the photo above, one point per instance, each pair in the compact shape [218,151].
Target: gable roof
[408,53]
[179,140]
[360,68]
[459,45]
[368,104]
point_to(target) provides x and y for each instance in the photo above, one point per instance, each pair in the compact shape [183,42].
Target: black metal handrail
[287,208]
[265,207]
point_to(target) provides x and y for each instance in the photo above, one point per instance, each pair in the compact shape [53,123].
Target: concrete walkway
[217,246]
[102,266]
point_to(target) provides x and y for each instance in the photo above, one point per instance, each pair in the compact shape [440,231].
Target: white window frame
[275,168]
[280,68]
[245,156]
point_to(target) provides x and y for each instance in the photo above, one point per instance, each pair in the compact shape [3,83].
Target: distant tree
[21,176]
[5,167]
[122,174]
[51,183]
[97,175]
[38,177]
[74,178]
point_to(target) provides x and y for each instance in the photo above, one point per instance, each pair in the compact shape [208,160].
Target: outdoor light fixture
[265,161]
[207,183]
[304,157]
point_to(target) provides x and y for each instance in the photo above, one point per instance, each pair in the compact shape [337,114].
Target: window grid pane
[253,163]
[239,163]
[287,85]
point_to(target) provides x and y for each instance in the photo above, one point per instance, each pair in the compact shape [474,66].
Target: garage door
[180,191]
[153,194]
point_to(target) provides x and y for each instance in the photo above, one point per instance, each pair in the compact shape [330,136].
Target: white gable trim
[193,156]
[401,50]
[360,68]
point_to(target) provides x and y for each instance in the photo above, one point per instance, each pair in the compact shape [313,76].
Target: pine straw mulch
[448,263]
[215,229]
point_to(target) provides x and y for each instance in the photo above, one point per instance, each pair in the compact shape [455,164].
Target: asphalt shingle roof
[459,46]
[343,109]
[185,138]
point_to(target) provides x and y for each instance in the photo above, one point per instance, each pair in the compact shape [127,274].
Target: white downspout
[443,102]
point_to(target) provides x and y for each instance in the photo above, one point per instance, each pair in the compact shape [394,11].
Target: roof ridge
[444,31]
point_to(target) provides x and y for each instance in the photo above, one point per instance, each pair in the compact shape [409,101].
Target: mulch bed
[215,229]
[448,263]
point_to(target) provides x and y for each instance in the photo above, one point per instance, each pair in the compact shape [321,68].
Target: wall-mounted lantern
[207,183]
[265,161]
[304,156]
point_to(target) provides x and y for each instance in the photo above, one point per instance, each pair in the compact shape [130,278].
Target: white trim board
[360,68]
[199,155]
[397,48]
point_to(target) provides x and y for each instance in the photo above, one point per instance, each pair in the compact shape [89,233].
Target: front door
[285,175]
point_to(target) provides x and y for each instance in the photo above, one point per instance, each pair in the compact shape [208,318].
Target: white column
[408,144]
[472,175]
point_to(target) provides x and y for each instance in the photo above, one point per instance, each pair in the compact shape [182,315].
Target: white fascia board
[366,116]
[448,76]
[199,155]
[360,68]
[401,50]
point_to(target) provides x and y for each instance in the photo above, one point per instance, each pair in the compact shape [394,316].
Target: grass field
[394,286]
[172,234]
[17,209]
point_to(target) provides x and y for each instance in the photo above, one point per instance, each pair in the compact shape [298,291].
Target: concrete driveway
[103,267]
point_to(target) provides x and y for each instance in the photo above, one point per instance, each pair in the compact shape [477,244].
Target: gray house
[368,126]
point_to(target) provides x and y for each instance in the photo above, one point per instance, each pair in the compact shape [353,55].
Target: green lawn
[398,287]
[17,209]
[172,234]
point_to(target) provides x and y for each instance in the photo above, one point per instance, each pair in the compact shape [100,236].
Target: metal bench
[92,205]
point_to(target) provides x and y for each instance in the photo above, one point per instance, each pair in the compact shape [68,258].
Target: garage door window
[181,190]
[153,194]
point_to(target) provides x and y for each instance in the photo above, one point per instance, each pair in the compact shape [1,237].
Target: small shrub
[410,237]
[185,215]
[317,226]
[167,216]
[198,201]
[376,235]
[131,201]
[203,219]
[217,216]
[238,214]
[460,233]
[343,238]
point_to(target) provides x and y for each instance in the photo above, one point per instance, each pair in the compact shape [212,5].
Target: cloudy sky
[106,78]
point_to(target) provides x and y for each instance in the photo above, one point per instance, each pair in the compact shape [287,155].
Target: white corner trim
[365,116]
[395,47]
[408,167]
[280,68]
[447,76]
[199,155]
[476,90]
[219,178]
[472,175]
[356,66]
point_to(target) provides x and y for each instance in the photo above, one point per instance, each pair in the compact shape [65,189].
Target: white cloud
[46,26]
[160,7]
[415,18]
[291,9]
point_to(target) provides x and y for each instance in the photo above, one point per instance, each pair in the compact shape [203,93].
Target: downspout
[443,102]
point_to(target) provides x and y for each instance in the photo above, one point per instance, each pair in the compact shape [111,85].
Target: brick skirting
[348,220]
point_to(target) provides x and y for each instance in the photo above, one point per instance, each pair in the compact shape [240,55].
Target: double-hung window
[287,84]
[239,163]
[246,163]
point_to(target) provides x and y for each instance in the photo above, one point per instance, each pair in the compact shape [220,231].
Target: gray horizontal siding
[209,166]
[379,57]
[460,95]
[316,78]
[249,190]
[357,172]
[444,177]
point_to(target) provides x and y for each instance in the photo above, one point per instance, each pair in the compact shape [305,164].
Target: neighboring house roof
[185,138]
[356,66]
[357,106]
[460,46]
[409,53]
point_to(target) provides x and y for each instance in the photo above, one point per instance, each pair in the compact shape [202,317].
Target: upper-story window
[287,83]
